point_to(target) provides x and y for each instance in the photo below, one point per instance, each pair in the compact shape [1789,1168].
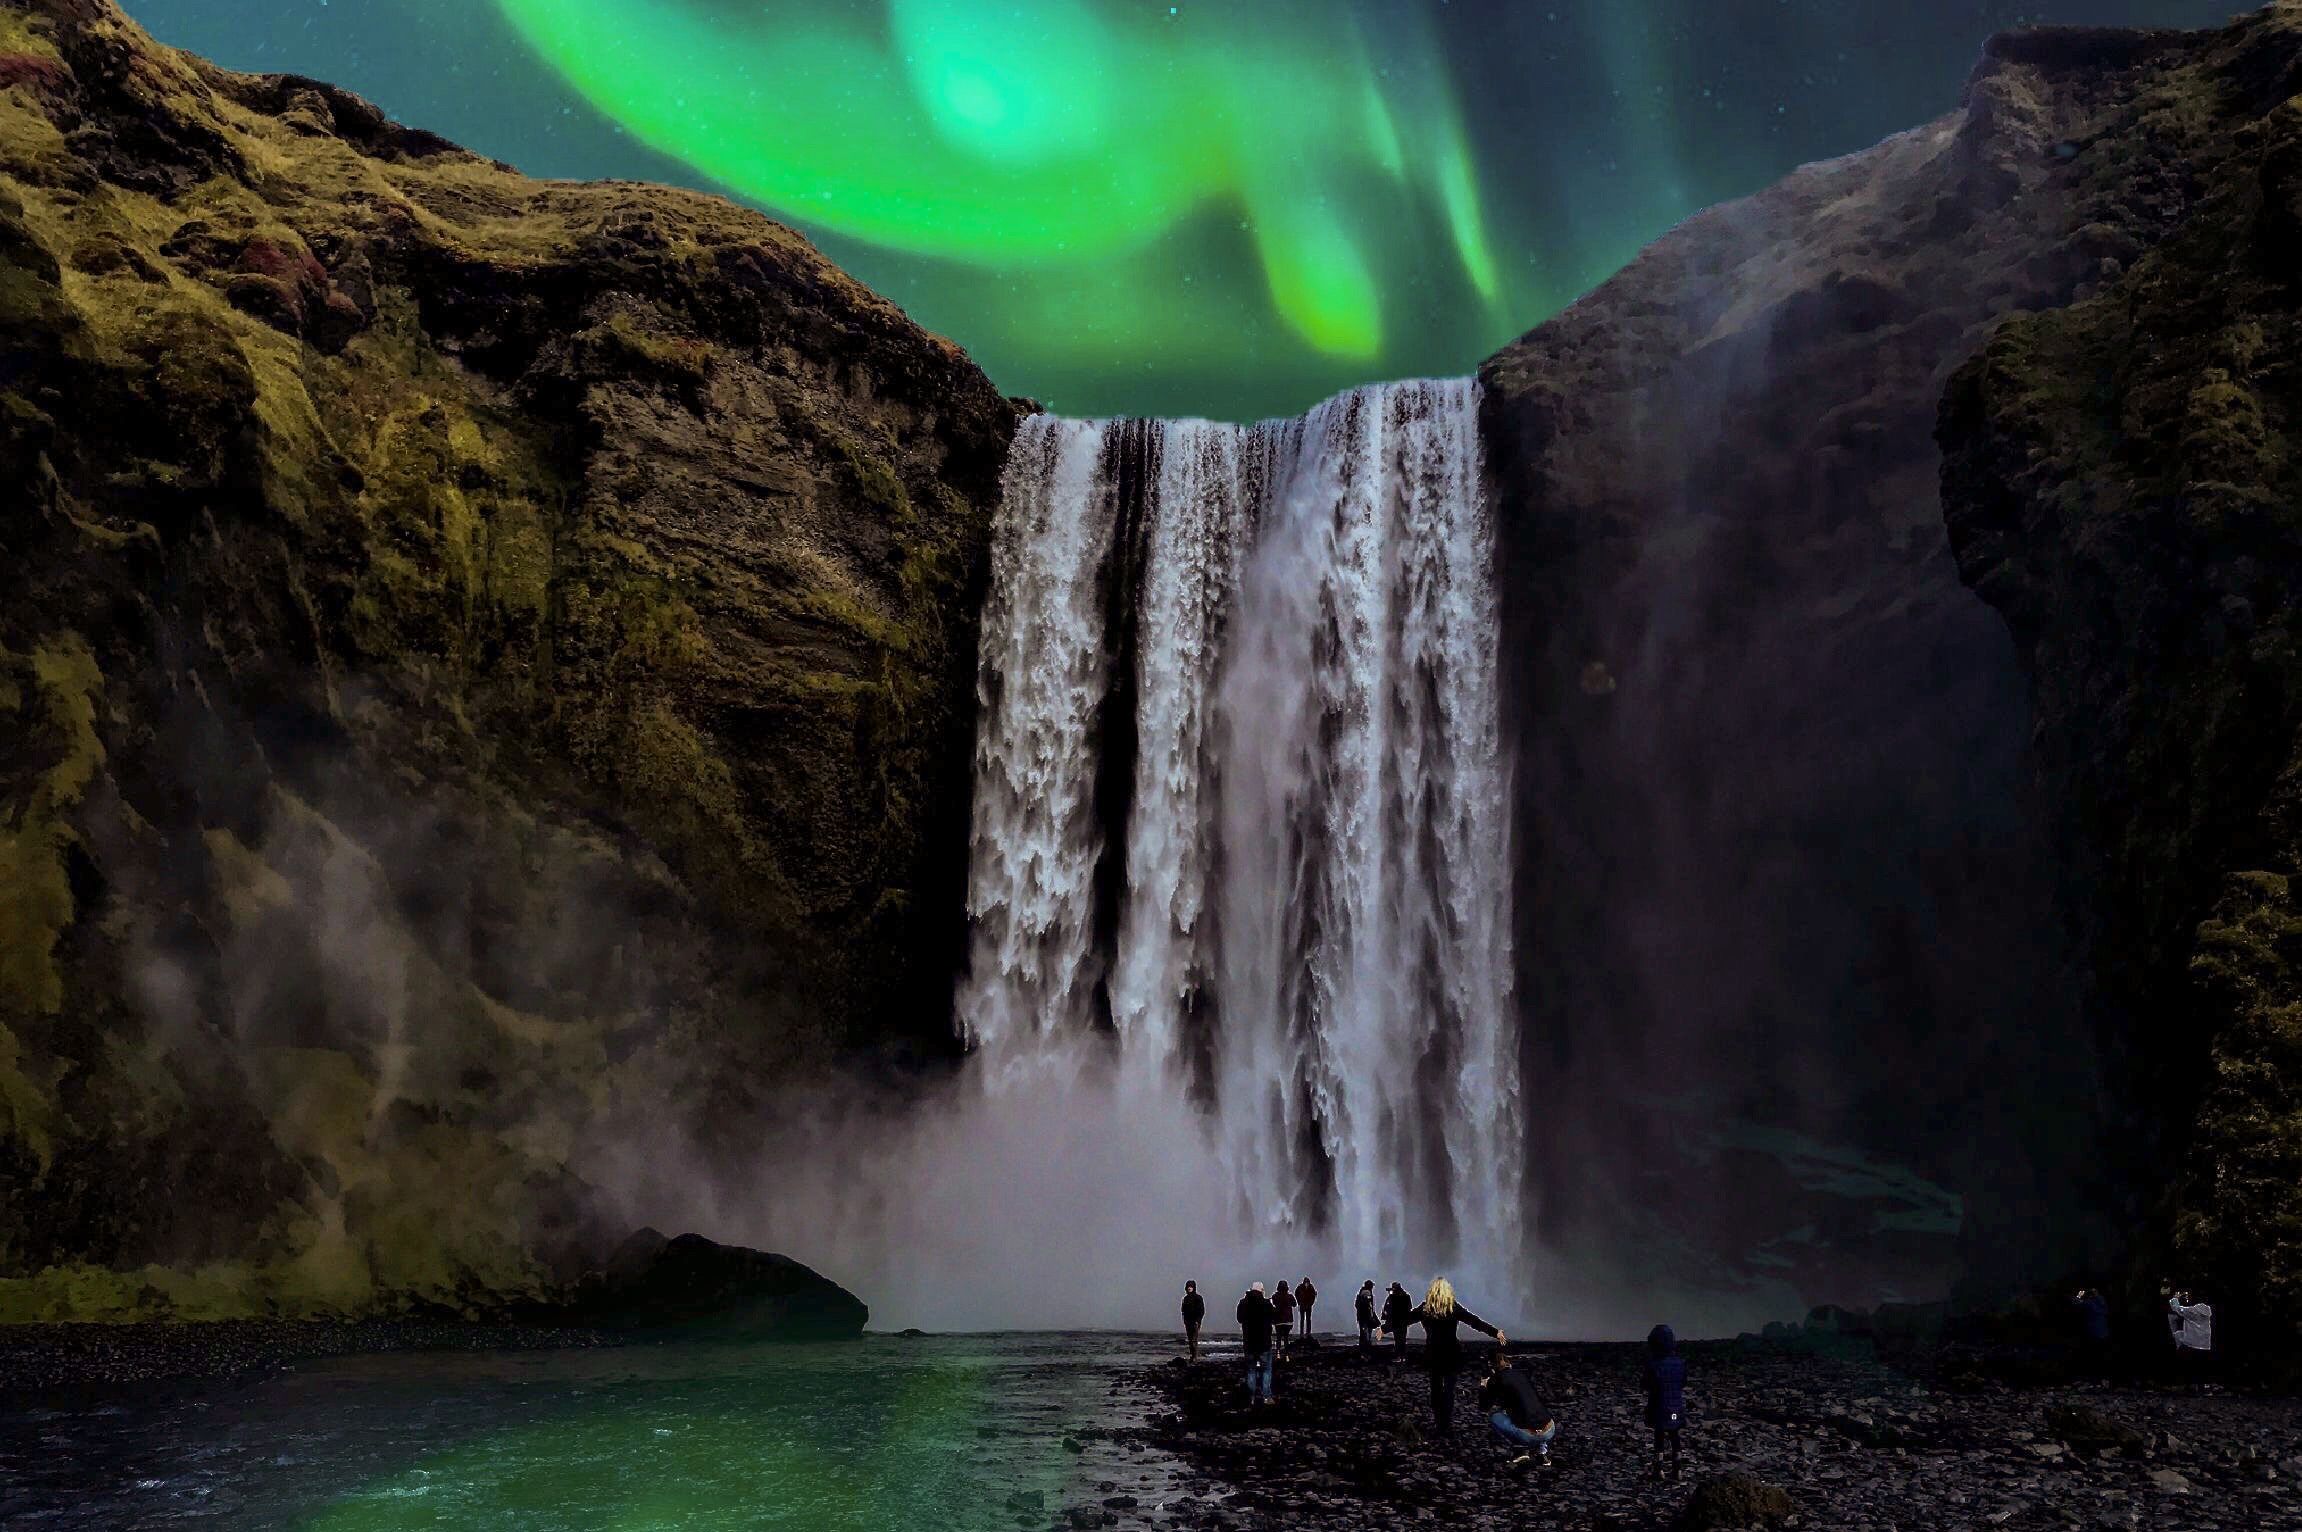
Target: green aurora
[1059,139]
[1219,207]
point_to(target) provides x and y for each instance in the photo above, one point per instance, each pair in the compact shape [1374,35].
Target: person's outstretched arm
[1476,1323]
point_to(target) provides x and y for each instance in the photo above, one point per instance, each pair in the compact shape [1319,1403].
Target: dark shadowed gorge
[2123,485]
[1789,861]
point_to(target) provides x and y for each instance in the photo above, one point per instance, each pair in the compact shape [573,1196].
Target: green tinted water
[943,1432]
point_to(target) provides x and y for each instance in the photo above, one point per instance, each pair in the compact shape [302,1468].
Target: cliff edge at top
[486,679]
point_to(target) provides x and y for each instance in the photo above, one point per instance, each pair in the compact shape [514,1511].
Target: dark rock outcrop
[486,676]
[1780,833]
[2123,480]
[695,1285]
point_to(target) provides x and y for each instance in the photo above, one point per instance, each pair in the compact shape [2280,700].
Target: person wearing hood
[1306,1296]
[1364,1312]
[1397,1307]
[1664,1372]
[1257,1321]
[1283,1305]
[1194,1315]
[1441,1317]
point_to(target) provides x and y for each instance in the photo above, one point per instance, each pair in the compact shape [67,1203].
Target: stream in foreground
[956,1432]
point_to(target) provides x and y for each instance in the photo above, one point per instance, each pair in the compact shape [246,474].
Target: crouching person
[1517,1413]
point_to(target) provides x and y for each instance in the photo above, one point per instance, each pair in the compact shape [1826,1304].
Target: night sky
[1228,208]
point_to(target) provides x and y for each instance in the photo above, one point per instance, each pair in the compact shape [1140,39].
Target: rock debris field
[1850,1446]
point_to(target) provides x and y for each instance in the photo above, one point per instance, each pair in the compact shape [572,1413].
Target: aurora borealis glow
[1220,207]
[1047,136]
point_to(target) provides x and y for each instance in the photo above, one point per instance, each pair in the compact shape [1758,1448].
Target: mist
[1072,1195]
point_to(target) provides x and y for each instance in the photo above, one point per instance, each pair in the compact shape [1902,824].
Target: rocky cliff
[1786,855]
[486,675]
[2123,479]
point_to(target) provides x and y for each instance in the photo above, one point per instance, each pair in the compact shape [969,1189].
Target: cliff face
[1781,831]
[2124,484]
[486,672]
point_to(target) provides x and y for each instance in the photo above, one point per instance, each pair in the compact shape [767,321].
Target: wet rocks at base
[1778,1437]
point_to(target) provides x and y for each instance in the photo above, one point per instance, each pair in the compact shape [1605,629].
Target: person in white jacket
[2193,1327]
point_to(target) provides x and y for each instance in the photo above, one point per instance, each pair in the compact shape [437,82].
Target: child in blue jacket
[1666,1383]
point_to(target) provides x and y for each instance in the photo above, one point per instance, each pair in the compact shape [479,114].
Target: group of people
[1287,1307]
[1515,1410]
[2189,1328]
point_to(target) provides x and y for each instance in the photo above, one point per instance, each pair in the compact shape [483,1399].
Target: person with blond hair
[1441,1317]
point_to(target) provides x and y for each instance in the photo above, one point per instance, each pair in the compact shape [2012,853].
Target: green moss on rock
[489,664]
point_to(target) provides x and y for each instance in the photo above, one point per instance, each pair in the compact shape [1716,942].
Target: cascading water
[1291,904]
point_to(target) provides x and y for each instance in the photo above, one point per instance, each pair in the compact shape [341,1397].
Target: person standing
[1364,1312]
[2093,1313]
[1516,1413]
[1194,1315]
[2193,1326]
[1256,1323]
[1284,1306]
[1441,1317]
[1305,1296]
[1398,1308]
[1665,1375]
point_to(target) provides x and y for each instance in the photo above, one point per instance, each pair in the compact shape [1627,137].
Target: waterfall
[1240,832]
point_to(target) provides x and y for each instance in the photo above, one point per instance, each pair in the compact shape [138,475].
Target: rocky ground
[1849,1444]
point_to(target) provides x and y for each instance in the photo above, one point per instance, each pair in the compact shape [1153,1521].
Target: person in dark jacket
[1194,1315]
[1441,1317]
[1516,1413]
[1397,1309]
[1305,1297]
[1665,1376]
[1257,1321]
[1283,1304]
[2093,1314]
[1364,1312]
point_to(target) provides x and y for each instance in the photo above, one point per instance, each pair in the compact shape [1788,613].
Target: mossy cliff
[1782,831]
[2123,481]
[486,672]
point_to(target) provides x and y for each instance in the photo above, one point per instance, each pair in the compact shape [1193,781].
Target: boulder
[698,1285]
[1732,1502]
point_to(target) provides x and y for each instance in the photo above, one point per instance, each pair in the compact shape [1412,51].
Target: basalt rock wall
[486,683]
[2123,479]
[1797,904]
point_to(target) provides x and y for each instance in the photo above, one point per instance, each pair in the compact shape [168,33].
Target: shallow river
[952,1432]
